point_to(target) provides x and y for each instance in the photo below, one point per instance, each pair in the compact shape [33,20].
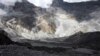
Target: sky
[73,1]
[41,3]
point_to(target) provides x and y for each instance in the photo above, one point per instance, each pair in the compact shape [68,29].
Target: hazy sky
[41,3]
[73,1]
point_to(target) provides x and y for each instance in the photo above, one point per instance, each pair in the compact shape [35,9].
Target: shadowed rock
[4,39]
[86,40]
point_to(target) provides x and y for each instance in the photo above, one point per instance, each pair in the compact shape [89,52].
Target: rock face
[46,23]
[80,10]
[26,15]
[23,13]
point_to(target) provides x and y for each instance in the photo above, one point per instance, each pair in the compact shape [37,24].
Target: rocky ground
[81,47]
